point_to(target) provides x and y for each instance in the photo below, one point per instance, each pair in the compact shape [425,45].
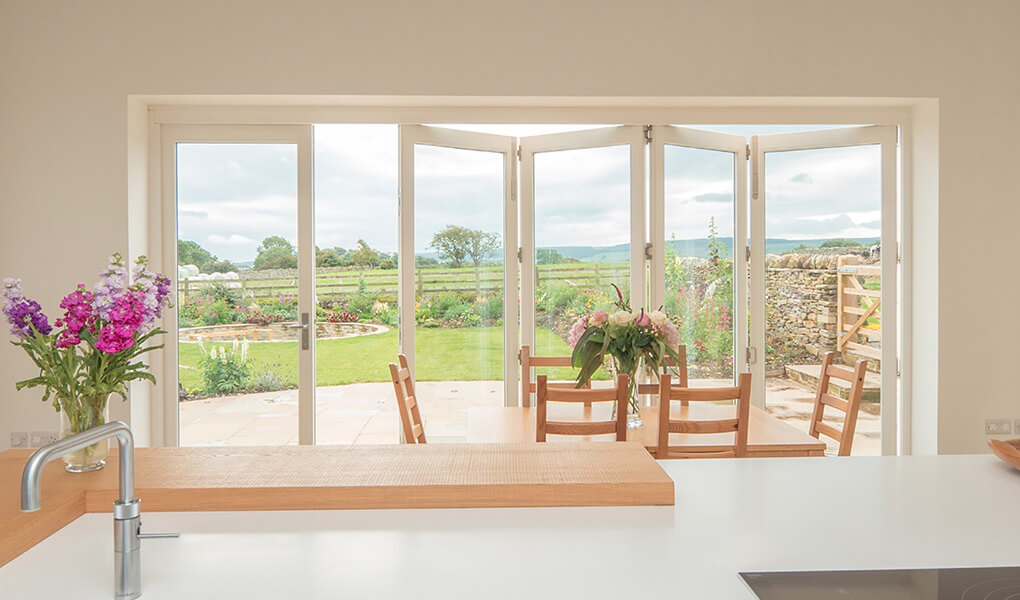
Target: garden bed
[276,332]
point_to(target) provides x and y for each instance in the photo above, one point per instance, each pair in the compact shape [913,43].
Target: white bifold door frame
[884,136]
[670,135]
[422,135]
[301,137]
[632,136]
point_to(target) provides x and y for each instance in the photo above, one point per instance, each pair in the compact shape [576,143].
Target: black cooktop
[992,583]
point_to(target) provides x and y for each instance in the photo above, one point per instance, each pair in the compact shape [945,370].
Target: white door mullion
[757,301]
[306,287]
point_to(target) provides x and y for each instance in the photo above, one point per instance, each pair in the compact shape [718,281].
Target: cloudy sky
[231,196]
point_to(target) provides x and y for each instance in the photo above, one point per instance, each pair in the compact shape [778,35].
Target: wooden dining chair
[737,425]
[547,394]
[668,364]
[407,402]
[528,385]
[849,407]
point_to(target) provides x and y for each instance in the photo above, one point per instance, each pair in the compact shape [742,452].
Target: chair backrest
[407,402]
[528,385]
[547,394]
[736,425]
[669,363]
[849,407]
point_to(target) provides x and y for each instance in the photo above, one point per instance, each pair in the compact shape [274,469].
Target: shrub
[221,290]
[263,378]
[224,372]
[216,312]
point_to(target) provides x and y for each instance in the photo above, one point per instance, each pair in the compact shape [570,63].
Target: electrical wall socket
[998,426]
[19,439]
[41,438]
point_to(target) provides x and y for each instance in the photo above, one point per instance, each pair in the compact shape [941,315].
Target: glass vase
[633,401]
[78,415]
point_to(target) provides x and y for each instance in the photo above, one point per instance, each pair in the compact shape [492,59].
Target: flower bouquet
[631,339]
[92,351]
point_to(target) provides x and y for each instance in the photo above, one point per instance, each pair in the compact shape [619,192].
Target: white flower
[621,317]
[658,317]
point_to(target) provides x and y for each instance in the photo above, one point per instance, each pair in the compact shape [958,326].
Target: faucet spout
[126,511]
[30,477]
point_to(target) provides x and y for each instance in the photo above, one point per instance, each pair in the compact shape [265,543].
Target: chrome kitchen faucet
[127,511]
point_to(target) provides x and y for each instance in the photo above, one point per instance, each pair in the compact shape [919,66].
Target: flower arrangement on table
[632,339]
[92,351]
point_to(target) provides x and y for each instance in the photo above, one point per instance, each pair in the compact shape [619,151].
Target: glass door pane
[356,283]
[699,269]
[456,216]
[582,232]
[237,215]
[823,222]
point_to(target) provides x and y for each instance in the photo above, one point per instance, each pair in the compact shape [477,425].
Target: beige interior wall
[67,69]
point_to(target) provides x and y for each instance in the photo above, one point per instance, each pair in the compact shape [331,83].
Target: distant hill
[696,248]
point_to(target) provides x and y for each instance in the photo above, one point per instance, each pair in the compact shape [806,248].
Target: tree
[481,245]
[548,256]
[452,244]
[327,258]
[364,255]
[841,243]
[275,252]
[190,253]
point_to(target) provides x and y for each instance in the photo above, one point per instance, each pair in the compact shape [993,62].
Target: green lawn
[463,354]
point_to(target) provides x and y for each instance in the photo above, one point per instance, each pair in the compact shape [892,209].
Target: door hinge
[747,252]
[648,251]
[747,152]
[751,354]
[519,254]
[648,134]
[518,153]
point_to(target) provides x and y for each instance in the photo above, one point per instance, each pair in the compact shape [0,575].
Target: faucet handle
[157,536]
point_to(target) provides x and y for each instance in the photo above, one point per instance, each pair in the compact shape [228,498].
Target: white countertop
[730,516]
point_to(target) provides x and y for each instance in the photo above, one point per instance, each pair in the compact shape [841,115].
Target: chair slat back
[529,386]
[407,402]
[546,394]
[849,407]
[669,363]
[736,425]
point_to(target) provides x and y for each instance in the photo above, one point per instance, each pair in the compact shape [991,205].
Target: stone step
[809,375]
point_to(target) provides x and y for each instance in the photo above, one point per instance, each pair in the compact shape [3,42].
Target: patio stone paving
[366,413]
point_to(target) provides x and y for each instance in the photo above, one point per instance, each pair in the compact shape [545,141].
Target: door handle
[304,326]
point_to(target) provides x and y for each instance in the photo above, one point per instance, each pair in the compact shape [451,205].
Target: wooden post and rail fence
[334,282]
[856,305]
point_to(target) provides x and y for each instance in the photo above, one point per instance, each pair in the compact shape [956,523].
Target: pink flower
[643,320]
[577,330]
[599,317]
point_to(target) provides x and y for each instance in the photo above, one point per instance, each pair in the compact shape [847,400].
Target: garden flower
[79,313]
[621,317]
[24,315]
[577,330]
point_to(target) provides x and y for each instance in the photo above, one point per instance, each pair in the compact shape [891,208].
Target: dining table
[767,435]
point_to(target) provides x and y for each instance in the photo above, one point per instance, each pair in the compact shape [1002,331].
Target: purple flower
[112,284]
[79,313]
[24,315]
